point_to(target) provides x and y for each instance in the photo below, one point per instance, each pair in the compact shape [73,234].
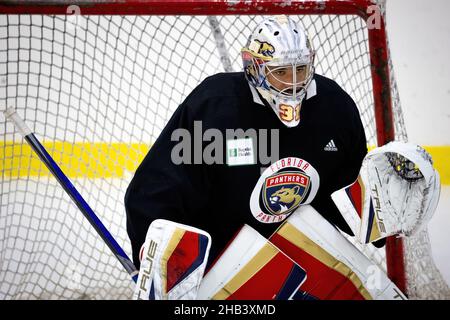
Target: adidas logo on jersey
[330,146]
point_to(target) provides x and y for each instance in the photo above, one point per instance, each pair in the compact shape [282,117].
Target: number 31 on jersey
[287,112]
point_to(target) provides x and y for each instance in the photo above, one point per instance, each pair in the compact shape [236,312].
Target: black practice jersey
[216,198]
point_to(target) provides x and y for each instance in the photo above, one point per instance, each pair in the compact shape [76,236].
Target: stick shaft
[84,207]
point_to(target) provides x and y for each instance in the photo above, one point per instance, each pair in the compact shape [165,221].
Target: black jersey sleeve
[162,189]
[356,148]
[353,138]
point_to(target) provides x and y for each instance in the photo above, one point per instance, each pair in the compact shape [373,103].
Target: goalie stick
[84,207]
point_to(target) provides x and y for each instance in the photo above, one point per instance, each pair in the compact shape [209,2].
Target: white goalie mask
[278,61]
[397,193]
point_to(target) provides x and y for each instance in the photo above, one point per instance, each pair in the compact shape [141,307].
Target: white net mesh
[98,90]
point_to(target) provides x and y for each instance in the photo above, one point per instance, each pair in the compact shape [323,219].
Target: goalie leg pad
[173,260]
[252,268]
[335,268]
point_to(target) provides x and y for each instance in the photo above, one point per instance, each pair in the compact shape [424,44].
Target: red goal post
[378,49]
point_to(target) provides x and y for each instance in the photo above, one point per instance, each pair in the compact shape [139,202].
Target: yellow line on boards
[441,161]
[110,160]
[88,160]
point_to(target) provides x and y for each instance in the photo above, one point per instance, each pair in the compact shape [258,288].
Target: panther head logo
[266,49]
[286,198]
[284,191]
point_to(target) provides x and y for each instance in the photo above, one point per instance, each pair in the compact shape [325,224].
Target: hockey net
[98,83]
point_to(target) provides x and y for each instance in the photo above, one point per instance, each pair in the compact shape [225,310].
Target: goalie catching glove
[396,192]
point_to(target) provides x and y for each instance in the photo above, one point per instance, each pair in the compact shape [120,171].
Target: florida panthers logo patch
[283,192]
[282,187]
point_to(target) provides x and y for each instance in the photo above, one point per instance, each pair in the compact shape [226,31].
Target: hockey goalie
[396,193]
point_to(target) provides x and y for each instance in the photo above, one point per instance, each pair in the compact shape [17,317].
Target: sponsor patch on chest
[240,152]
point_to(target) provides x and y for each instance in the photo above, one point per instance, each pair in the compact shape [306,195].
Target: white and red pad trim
[173,261]
[335,268]
[252,268]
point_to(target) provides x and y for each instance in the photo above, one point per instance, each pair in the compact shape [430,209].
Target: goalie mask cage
[97,81]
